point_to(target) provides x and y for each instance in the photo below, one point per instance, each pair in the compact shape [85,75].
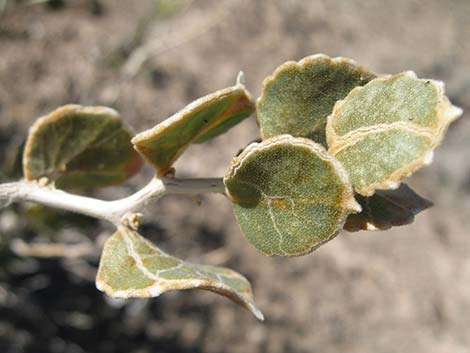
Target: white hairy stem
[112,211]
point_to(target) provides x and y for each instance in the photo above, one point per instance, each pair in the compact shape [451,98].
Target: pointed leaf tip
[386,209]
[133,267]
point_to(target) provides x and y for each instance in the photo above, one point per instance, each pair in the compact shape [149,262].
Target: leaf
[198,122]
[388,129]
[133,267]
[289,195]
[386,209]
[298,96]
[76,146]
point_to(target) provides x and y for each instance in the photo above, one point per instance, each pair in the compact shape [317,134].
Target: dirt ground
[404,290]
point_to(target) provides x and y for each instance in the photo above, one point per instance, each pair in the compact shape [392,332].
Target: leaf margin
[179,117]
[349,206]
[366,219]
[299,66]
[166,285]
[446,112]
[134,163]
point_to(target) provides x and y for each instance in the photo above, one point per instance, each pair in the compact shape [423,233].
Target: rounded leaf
[386,130]
[298,97]
[289,195]
[76,146]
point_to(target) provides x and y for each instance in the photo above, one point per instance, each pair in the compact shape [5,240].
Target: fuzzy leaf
[386,209]
[133,267]
[298,97]
[198,122]
[388,129]
[289,195]
[77,146]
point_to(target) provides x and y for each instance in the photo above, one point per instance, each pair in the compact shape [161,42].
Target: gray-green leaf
[289,195]
[388,129]
[77,146]
[133,267]
[298,96]
[386,209]
[198,122]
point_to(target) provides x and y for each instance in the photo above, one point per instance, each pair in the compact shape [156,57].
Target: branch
[112,211]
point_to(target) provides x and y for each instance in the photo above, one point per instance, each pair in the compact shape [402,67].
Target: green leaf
[289,195]
[388,129]
[386,209]
[198,122]
[77,146]
[298,97]
[133,267]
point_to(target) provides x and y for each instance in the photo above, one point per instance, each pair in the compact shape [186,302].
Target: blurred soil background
[404,290]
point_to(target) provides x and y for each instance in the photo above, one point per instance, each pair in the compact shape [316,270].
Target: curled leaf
[386,209]
[76,146]
[388,129]
[133,267]
[198,122]
[289,195]
[298,97]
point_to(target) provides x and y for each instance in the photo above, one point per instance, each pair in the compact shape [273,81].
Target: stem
[112,211]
